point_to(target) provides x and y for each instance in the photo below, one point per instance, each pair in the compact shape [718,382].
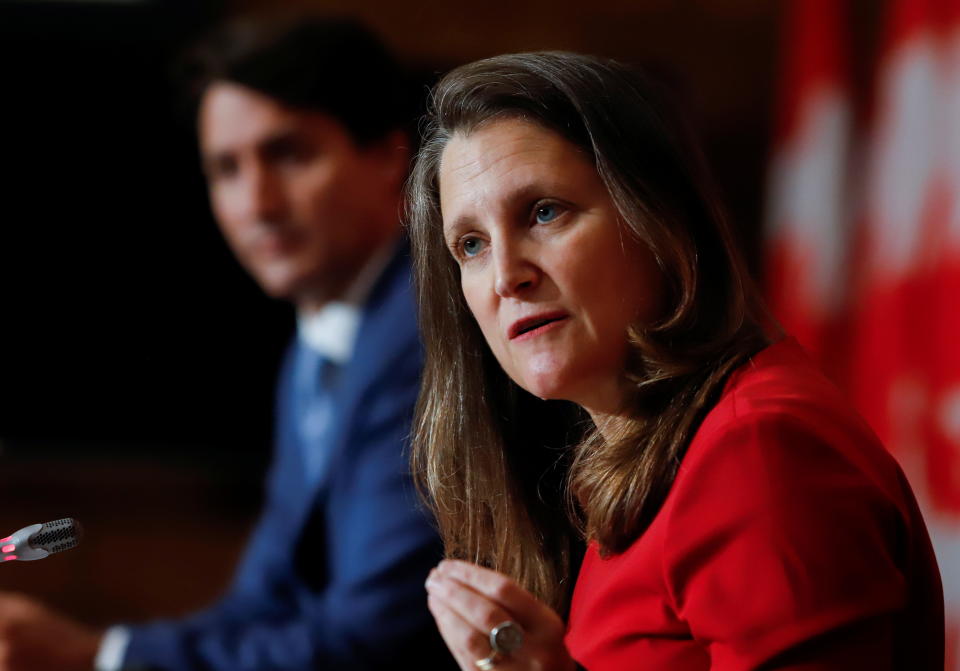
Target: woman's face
[550,275]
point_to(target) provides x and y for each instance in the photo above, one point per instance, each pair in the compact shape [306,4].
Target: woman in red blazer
[738,514]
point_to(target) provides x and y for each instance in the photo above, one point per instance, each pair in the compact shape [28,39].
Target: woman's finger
[525,608]
[466,642]
[468,601]
[475,608]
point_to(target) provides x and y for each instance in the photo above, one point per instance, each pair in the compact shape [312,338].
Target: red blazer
[790,540]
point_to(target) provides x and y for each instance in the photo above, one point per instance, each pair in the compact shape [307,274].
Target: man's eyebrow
[279,135]
[282,137]
[211,160]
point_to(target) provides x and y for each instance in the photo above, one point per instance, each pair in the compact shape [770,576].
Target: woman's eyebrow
[529,191]
[461,223]
[515,199]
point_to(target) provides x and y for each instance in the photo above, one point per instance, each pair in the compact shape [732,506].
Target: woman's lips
[531,327]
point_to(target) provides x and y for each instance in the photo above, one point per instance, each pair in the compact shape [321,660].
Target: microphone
[41,540]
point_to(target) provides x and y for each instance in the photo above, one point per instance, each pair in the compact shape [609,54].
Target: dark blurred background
[136,359]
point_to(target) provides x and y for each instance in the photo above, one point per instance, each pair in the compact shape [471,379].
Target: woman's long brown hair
[488,456]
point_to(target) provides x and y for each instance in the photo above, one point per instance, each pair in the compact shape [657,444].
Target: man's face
[301,206]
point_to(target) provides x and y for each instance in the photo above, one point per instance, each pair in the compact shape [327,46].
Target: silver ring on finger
[505,638]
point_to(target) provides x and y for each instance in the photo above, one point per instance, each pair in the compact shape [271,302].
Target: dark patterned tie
[317,376]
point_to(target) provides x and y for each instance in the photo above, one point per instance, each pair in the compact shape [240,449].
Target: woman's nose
[516,273]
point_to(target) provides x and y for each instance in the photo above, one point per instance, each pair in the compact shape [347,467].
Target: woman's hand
[467,601]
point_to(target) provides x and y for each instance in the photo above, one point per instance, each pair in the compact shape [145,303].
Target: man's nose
[516,271]
[265,198]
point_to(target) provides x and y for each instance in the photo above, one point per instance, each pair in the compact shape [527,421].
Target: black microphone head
[57,536]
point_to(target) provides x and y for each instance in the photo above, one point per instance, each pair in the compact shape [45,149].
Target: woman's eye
[546,213]
[471,246]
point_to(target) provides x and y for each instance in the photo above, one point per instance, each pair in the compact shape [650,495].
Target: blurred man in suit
[303,142]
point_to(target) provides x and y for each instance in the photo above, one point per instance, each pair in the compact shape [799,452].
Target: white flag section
[864,260]
[905,367]
[807,197]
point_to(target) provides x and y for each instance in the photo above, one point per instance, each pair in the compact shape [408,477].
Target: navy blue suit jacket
[333,574]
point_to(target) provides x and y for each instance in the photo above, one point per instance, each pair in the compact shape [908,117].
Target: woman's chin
[575,385]
[547,388]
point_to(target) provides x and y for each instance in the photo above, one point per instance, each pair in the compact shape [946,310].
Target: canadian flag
[807,200]
[864,257]
[905,368]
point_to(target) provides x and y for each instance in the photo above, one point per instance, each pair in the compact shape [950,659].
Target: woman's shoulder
[789,521]
[780,420]
[780,378]
[782,390]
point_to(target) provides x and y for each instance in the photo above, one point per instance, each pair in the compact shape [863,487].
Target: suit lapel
[385,334]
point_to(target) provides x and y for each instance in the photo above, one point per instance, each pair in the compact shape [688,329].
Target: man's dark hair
[332,65]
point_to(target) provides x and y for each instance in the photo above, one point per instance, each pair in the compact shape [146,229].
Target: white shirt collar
[332,330]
